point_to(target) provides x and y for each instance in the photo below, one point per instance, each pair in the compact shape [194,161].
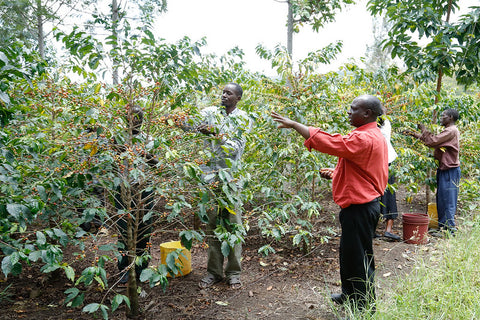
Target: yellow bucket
[184,260]
[433,215]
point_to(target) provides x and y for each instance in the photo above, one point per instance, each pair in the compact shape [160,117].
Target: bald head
[371,102]
[364,109]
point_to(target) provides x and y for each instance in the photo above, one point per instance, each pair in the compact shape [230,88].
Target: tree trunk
[115,18]
[134,310]
[41,43]
[290,29]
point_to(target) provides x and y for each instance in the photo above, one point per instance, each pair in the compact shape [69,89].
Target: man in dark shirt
[446,146]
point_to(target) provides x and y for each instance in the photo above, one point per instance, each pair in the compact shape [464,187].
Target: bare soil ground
[286,285]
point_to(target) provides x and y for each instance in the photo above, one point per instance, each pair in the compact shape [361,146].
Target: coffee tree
[67,141]
[69,154]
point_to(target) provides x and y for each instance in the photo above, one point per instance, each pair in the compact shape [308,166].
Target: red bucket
[415,228]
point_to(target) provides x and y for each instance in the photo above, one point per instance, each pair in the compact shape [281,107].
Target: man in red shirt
[358,180]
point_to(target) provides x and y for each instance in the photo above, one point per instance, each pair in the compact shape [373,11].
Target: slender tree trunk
[290,29]
[287,185]
[41,43]
[134,309]
[115,18]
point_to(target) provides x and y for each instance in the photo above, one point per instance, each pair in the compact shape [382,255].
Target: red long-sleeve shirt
[361,173]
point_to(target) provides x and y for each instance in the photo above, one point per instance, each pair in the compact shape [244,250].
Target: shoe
[338,298]
[234,283]
[208,281]
[436,234]
[376,235]
[391,236]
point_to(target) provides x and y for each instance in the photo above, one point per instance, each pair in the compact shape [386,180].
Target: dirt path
[284,285]
[287,285]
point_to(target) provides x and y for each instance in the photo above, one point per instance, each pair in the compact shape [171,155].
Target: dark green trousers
[215,256]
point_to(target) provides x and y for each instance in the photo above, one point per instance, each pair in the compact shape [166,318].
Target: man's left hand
[206,129]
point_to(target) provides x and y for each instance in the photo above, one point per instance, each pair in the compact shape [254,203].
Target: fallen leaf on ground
[269,288]
[221,303]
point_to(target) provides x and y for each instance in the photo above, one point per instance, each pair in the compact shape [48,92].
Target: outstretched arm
[285,122]
[411,133]
[189,123]
[414,134]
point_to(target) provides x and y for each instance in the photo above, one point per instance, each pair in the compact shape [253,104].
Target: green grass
[445,284]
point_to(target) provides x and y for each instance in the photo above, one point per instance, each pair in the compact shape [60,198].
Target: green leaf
[104,310]
[202,213]
[266,249]
[4,59]
[78,300]
[57,191]
[100,281]
[147,216]
[4,97]
[72,299]
[35,255]
[69,272]
[205,197]
[91,308]
[41,239]
[42,193]
[149,34]
[297,239]
[225,248]
[7,265]
[16,210]
[146,274]
[170,260]
[87,276]
[189,171]
[118,299]
[209,177]
[186,239]
[50,268]
[9,156]
[14,258]
[108,247]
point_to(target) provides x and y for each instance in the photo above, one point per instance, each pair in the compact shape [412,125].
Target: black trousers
[357,265]
[388,207]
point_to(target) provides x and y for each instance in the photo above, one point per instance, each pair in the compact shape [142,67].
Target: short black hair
[452,113]
[238,88]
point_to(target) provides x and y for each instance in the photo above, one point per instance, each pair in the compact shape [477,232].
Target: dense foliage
[57,151]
